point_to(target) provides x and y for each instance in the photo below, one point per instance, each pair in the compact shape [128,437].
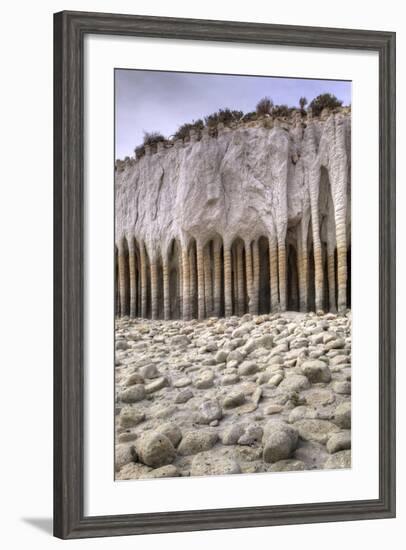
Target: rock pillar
[193,282]
[341,264]
[228,299]
[302,266]
[282,274]
[208,292]
[186,284]
[133,278]
[154,288]
[143,259]
[240,279]
[165,276]
[122,277]
[249,278]
[200,281]
[273,273]
[217,277]
[255,277]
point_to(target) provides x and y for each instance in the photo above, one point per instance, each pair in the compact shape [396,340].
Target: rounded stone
[155,450]
[342,387]
[172,432]
[336,343]
[251,436]
[229,379]
[340,441]
[149,371]
[221,356]
[275,380]
[247,367]
[234,399]
[204,380]
[134,378]
[342,415]
[316,371]
[208,411]
[342,459]
[184,396]
[164,471]
[133,394]
[294,382]
[124,454]
[157,385]
[205,464]
[197,441]
[273,409]
[319,397]
[278,446]
[182,382]
[232,434]
[311,429]
[130,417]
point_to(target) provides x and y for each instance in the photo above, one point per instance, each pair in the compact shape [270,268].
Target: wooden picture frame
[69,31]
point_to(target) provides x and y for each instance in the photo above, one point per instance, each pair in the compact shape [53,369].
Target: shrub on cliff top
[282,110]
[152,138]
[324,101]
[252,115]
[139,151]
[226,116]
[302,104]
[183,131]
[264,106]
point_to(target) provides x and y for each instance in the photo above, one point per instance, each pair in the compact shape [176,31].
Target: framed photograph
[224,275]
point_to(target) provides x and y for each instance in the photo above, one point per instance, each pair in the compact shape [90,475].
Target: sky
[161,101]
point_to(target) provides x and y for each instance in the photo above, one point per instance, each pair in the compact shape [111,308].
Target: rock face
[256,219]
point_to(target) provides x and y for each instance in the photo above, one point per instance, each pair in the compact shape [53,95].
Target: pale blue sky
[161,101]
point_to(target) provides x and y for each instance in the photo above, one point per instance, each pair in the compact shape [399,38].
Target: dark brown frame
[69,31]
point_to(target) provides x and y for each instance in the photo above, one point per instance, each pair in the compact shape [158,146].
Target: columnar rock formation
[255,219]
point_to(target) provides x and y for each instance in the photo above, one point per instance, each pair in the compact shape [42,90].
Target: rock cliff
[255,219]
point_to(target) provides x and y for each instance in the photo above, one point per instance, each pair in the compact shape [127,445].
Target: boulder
[155,449]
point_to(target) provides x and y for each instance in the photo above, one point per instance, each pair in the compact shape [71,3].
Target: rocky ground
[237,395]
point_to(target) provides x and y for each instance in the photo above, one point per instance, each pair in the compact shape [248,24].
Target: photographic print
[232,274]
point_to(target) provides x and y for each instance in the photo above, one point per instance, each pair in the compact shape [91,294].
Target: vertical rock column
[273,273]
[133,277]
[331,278]
[302,263]
[122,278]
[200,281]
[180,288]
[186,284]
[248,272]
[116,286]
[165,276]
[240,307]
[228,298]
[154,288]
[341,266]
[234,279]
[208,292]
[313,174]
[255,277]
[217,276]
[143,258]
[282,274]
[317,251]
[339,177]
[193,282]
